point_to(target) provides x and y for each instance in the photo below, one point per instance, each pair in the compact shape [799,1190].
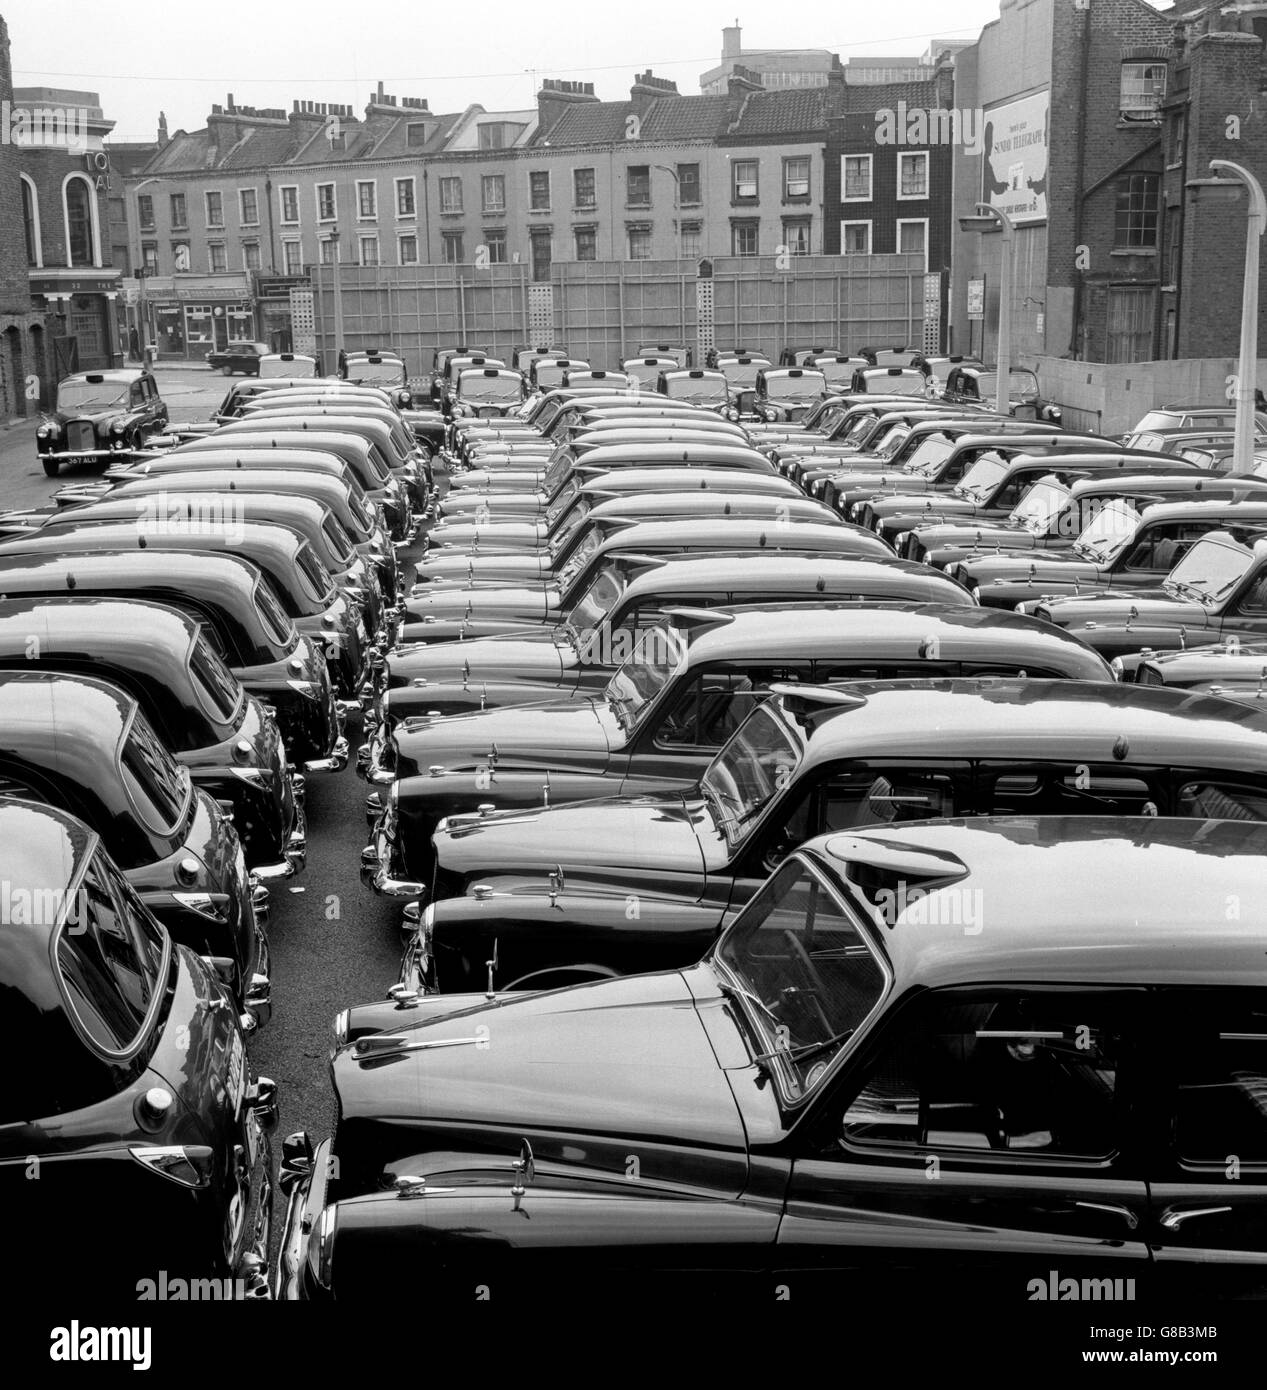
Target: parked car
[811,760]
[891,381]
[798,356]
[969,385]
[545,373]
[523,666]
[485,391]
[708,389]
[856,1030]
[237,357]
[162,658]
[1193,417]
[287,365]
[1055,511]
[139,1084]
[995,484]
[1121,548]
[84,746]
[683,356]
[242,617]
[1234,669]
[99,415]
[786,393]
[304,588]
[680,697]
[645,368]
[1217,591]
[630,591]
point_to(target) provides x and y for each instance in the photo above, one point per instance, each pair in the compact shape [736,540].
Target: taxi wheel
[50,467]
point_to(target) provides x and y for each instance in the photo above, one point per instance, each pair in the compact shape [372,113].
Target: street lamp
[986,219]
[1229,188]
[677,200]
[333,238]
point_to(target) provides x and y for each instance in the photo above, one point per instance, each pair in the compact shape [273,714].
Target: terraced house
[225,218]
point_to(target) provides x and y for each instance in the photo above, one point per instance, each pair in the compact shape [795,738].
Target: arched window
[31,221]
[81,220]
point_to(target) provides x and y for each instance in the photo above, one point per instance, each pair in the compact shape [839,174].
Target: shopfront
[188,316]
[80,317]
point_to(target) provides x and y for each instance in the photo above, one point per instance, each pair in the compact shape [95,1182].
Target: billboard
[1014,158]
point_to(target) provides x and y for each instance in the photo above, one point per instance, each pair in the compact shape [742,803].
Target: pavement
[333,942]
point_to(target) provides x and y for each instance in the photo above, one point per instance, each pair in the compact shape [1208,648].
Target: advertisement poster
[1014,160]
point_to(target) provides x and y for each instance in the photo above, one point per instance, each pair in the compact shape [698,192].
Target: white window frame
[259,252]
[336,249]
[788,195]
[870,193]
[400,255]
[212,248]
[207,196]
[857,222]
[808,225]
[367,216]
[441,181]
[549,202]
[286,265]
[641,231]
[242,218]
[735,185]
[360,248]
[316,198]
[282,190]
[911,222]
[94,219]
[35,218]
[487,208]
[912,197]
[413,198]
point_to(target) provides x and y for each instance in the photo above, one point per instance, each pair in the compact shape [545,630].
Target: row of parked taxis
[762,853]
[181,644]
[759,855]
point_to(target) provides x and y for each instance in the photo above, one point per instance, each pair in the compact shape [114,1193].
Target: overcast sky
[152,55]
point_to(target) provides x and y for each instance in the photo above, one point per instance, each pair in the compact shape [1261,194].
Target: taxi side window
[1161,548]
[1220,1087]
[1031,1075]
[1255,599]
[708,711]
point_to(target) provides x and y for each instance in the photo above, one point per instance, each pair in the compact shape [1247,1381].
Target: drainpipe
[272,231]
[1079,196]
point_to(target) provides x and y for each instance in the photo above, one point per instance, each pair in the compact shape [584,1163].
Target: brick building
[21,327]
[1069,98]
[887,172]
[63,177]
[1212,110]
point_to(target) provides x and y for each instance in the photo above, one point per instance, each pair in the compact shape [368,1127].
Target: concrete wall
[1111,397]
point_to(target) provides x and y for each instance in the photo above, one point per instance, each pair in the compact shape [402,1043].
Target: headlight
[118,427]
[44,432]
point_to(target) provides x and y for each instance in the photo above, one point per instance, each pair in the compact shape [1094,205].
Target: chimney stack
[647,88]
[555,97]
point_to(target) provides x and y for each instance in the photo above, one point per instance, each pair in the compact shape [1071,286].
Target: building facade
[63,198]
[888,171]
[226,219]
[21,327]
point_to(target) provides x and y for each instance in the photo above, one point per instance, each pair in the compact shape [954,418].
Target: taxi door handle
[1172,1220]
[1127,1215]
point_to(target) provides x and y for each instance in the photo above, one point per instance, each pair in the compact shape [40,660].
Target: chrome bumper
[375,876]
[303,1180]
[336,762]
[295,854]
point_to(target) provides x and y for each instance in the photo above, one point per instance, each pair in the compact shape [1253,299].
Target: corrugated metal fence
[602,310]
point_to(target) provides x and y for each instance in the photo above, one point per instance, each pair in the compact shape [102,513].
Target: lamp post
[986,219]
[333,239]
[677,202]
[1221,189]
